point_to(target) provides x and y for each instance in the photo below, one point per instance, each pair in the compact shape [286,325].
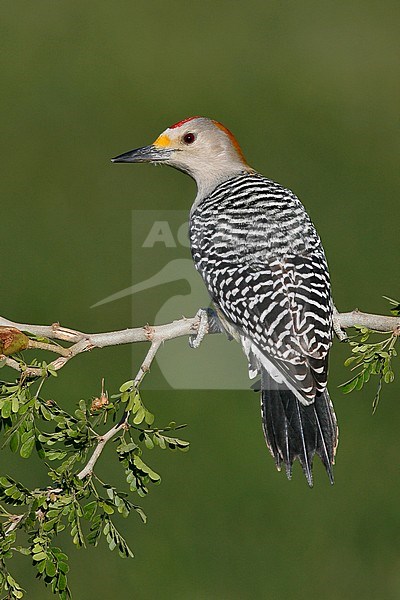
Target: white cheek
[213,149]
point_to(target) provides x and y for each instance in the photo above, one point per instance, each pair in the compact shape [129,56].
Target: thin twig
[51,347]
[145,366]
[123,423]
[101,442]
[15,521]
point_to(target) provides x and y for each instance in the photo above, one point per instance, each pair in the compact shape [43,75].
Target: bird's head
[200,147]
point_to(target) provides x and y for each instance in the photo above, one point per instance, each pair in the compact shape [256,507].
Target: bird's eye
[189,138]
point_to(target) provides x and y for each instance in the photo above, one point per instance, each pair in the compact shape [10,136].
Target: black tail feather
[293,430]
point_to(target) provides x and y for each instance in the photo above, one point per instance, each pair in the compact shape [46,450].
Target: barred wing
[282,313]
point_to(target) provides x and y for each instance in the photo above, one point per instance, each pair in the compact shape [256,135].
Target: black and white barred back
[265,269]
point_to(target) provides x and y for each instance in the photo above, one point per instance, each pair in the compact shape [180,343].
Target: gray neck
[206,186]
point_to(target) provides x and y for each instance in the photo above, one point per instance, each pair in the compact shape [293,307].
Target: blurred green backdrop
[311,90]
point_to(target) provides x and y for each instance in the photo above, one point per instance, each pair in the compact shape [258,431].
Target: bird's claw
[195,340]
[341,334]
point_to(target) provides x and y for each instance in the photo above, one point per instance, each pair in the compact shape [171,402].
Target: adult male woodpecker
[265,269]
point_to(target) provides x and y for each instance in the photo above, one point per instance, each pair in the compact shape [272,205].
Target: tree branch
[82,342]
[376,322]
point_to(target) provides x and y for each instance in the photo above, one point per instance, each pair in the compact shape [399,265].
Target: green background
[311,90]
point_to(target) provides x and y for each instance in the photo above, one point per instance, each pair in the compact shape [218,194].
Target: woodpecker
[264,266]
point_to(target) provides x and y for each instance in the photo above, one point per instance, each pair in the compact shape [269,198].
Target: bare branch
[85,342]
[54,331]
[102,441]
[145,366]
[82,342]
[172,330]
[377,322]
[50,347]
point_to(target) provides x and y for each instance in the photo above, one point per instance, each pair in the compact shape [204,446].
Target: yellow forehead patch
[163,141]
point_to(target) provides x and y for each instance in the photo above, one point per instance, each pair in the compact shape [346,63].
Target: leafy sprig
[372,356]
[85,506]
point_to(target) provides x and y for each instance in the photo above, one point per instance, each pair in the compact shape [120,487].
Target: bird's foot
[208,323]
[341,334]
[202,328]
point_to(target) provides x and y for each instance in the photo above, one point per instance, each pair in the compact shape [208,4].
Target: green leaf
[14,441]
[377,397]
[41,566]
[6,410]
[107,508]
[161,442]
[149,417]
[388,377]
[46,414]
[349,360]
[141,513]
[50,525]
[51,569]
[27,434]
[51,369]
[396,306]
[148,442]
[128,385]
[139,416]
[39,556]
[146,469]
[62,581]
[367,375]
[349,386]
[89,510]
[134,403]
[14,404]
[22,550]
[5,482]
[360,381]
[63,567]
[27,447]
